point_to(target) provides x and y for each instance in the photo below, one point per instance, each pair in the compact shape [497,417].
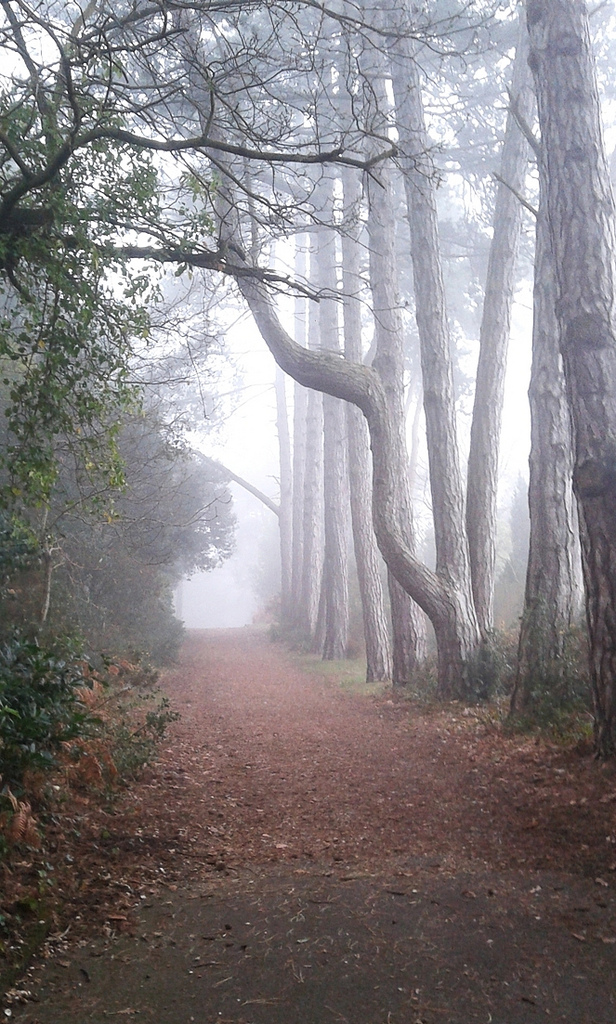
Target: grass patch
[348,675]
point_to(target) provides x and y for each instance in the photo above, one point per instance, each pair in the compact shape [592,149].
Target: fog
[215,599]
[235,593]
[238,593]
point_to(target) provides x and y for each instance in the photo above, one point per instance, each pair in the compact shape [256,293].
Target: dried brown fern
[22,826]
[93,697]
[88,764]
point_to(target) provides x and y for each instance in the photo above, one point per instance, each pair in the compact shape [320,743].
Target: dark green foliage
[117,574]
[292,637]
[560,691]
[115,567]
[39,709]
[136,731]
[67,328]
[422,687]
[18,548]
[490,672]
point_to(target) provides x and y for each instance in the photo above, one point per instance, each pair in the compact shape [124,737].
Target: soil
[300,854]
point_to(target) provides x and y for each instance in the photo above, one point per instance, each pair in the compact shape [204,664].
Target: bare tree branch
[273,507]
[529,206]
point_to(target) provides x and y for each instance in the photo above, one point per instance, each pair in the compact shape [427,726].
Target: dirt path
[301,855]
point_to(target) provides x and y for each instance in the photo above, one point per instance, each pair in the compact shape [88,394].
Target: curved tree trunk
[482,480]
[367,558]
[323,371]
[581,221]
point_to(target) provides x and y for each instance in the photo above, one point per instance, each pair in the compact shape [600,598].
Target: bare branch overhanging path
[324,856]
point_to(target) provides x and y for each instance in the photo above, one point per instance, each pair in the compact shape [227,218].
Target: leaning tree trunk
[482,480]
[457,640]
[367,558]
[581,220]
[335,581]
[327,372]
[552,575]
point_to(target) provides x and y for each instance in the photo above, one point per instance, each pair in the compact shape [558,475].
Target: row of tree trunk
[464,528]
[572,389]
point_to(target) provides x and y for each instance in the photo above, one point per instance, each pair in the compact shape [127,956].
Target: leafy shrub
[293,638]
[559,697]
[136,732]
[421,688]
[39,708]
[564,685]
[130,718]
[491,670]
[18,548]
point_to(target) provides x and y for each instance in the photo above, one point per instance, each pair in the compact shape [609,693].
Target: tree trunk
[581,221]
[312,527]
[415,425]
[388,361]
[440,600]
[313,514]
[482,482]
[335,478]
[367,558]
[452,558]
[300,408]
[552,577]
[336,521]
[444,596]
[285,518]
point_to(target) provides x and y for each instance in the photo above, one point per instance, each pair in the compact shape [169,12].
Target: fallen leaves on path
[271,764]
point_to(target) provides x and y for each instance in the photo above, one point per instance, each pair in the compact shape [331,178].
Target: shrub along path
[305,855]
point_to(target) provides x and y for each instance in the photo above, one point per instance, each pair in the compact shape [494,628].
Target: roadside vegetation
[72,739]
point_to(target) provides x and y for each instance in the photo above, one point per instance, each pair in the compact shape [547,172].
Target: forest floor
[305,854]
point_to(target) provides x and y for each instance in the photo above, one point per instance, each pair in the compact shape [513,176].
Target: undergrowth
[558,700]
[559,709]
[349,675]
[68,733]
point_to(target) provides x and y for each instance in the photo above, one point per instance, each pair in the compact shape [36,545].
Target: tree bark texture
[552,578]
[482,479]
[389,364]
[581,220]
[452,558]
[312,527]
[446,595]
[388,361]
[335,581]
[367,557]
